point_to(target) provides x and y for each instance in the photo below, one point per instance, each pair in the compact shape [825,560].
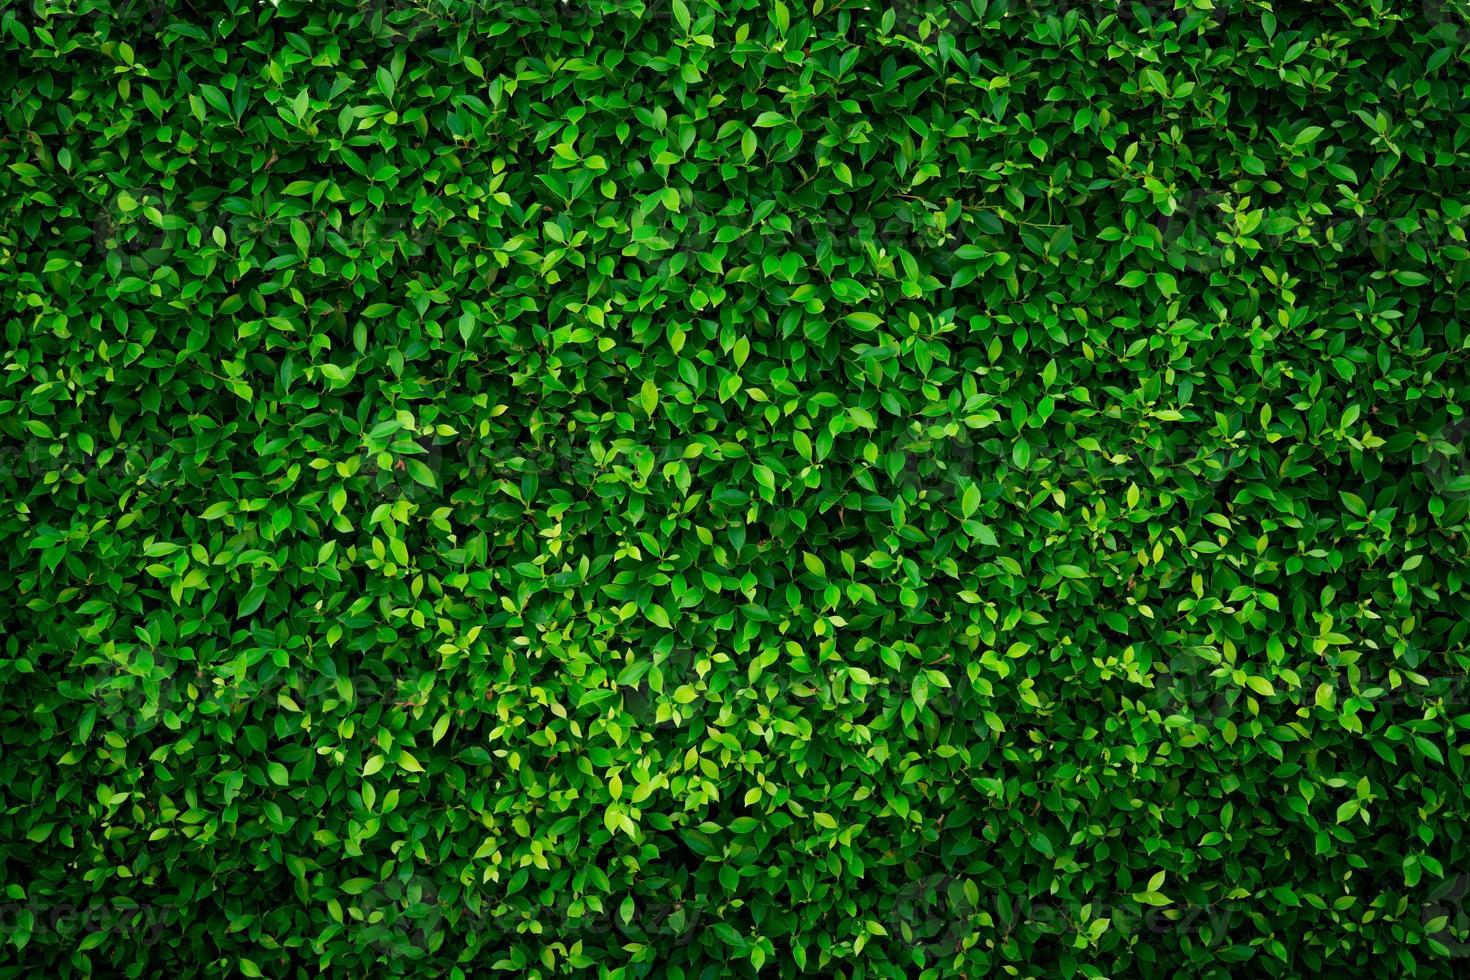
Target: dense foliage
[592,489]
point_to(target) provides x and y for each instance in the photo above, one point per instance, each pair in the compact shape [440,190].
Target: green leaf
[1260,685]
[970,502]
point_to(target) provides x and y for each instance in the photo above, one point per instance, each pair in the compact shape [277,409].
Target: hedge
[714,488]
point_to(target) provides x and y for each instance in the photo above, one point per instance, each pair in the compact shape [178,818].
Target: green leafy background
[963,489]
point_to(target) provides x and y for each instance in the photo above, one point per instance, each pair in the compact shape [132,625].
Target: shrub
[694,489]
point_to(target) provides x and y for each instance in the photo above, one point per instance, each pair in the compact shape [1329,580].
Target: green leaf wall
[716,489]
